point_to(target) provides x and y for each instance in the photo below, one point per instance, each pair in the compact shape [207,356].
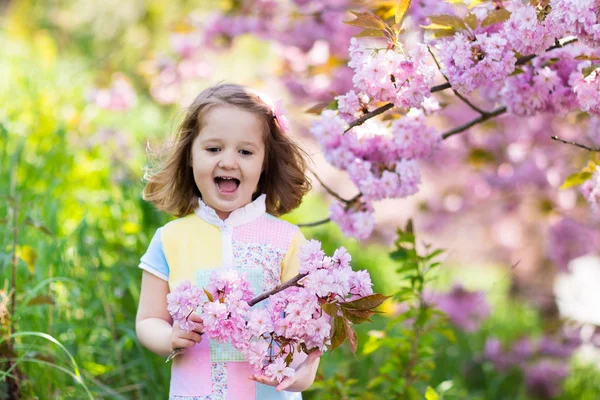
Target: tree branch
[316,223]
[277,289]
[369,115]
[326,220]
[524,59]
[331,192]
[496,112]
[460,96]
[595,149]
[444,86]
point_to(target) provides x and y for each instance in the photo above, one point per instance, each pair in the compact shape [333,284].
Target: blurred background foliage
[76,226]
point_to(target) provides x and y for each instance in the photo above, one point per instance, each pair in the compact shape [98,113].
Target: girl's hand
[302,379]
[181,339]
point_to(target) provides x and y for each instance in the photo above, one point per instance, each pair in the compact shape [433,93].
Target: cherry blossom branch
[557,45]
[447,85]
[485,117]
[254,301]
[277,289]
[331,192]
[369,115]
[313,224]
[594,149]
[326,220]
[460,96]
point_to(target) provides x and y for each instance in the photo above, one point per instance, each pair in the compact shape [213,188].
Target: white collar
[241,216]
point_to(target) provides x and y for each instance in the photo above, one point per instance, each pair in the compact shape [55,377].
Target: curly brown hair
[170,184]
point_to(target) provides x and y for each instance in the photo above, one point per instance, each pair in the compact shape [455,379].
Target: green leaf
[431,394]
[399,255]
[448,333]
[366,303]
[448,20]
[402,7]
[585,57]
[434,254]
[376,381]
[210,296]
[440,33]
[29,255]
[38,225]
[479,156]
[409,228]
[407,267]
[370,32]
[588,70]
[357,316]
[576,179]
[41,299]
[366,20]
[317,108]
[517,71]
[471,21]
[331,309]
[288,358]
[339,333]
[495,17]
[550,62]
[351,335]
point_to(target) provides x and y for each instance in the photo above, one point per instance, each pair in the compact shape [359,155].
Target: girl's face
[227,158]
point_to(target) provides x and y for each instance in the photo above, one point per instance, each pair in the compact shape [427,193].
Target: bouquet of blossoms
[313,311]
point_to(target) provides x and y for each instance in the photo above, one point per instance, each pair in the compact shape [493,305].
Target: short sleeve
[154,260]
[291,263]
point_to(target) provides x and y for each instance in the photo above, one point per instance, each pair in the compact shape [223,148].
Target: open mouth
[226,184]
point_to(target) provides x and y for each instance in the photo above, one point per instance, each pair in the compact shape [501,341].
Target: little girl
[230,171]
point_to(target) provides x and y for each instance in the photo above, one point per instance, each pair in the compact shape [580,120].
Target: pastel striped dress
[258,244]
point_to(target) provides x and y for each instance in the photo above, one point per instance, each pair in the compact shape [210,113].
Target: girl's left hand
[300,381]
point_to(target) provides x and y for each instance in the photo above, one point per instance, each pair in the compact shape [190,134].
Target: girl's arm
[153,322]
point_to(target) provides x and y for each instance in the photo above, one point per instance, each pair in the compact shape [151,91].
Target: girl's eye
[246,152]
[212,149]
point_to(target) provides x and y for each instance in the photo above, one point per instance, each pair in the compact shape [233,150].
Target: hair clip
[279,115]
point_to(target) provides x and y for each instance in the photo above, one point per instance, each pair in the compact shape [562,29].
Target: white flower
[577,295]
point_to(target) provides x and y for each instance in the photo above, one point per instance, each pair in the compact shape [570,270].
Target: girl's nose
[228,161]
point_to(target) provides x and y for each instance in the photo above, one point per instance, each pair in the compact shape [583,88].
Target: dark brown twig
[524,59]
[277,289]
[460,96]
[583,146]
[313,224]
[369,115]
[496,112]
[331,192]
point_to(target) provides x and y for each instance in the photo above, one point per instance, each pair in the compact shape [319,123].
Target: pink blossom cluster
[356,221]
[402,77]
[292,319]
[183,301]
[119,96]
[167,75]
[591,190]
[544,86]
[587,90]
[580,17]
[528,30]
[472,60]
[381,162]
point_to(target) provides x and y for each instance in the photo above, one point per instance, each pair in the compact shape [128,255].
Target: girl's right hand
[181,339]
